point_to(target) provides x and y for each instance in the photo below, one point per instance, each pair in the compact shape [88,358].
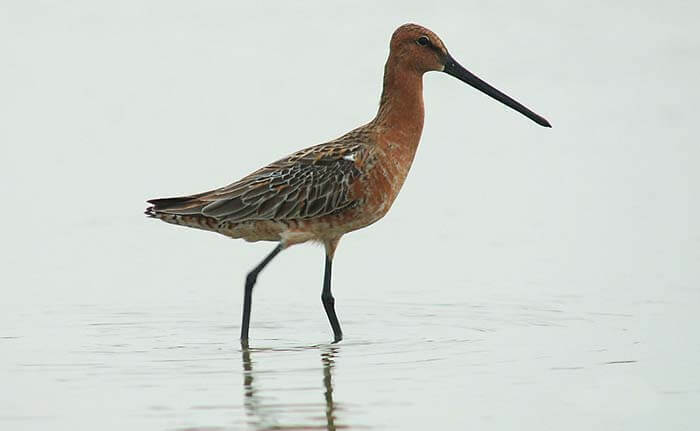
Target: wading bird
[325,191]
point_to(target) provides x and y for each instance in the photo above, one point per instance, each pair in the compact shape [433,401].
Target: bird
[325,191]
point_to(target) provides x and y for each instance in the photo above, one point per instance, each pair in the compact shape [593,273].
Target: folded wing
[311,183]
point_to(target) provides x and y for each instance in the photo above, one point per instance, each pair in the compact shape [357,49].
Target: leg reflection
[251,402]
[279,416]
[328,361]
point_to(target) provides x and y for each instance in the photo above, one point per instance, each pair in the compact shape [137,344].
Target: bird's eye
[423,41]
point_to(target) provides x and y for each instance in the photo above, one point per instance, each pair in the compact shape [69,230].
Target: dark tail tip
[166,204]
[150,211]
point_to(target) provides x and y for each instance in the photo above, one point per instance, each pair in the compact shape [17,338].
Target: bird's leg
[248,295]
[329,301]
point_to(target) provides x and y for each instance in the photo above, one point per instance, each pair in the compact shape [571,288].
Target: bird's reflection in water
[328,358]
[266,415]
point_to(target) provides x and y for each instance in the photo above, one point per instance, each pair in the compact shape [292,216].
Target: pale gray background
[526,278]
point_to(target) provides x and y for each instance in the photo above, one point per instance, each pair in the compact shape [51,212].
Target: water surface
[526,278]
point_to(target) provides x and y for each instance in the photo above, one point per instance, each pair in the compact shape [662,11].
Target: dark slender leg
[248,296]
[329,302]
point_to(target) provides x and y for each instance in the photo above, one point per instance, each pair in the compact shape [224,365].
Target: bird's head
[419,49]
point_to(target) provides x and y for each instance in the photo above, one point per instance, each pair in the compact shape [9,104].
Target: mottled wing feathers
[310,183]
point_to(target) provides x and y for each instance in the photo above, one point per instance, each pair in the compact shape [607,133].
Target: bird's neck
[400,115]
[397,127]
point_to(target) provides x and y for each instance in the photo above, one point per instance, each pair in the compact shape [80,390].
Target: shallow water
[403,365]
[525,278]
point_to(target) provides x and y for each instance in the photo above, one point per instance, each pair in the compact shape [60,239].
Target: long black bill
[455,69]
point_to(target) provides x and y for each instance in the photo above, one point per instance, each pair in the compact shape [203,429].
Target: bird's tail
[180,205]
[184,211]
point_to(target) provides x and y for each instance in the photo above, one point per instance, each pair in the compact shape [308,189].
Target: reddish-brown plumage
[326,191]
[381,151]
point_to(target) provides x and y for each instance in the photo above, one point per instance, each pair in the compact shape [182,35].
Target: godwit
[325,191]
